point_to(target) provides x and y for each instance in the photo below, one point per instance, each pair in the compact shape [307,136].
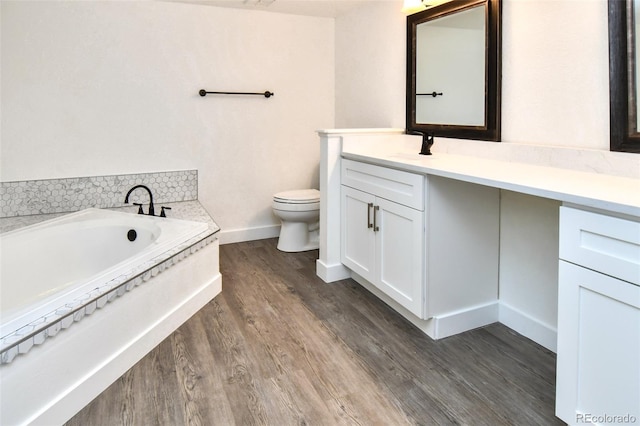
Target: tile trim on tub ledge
[31,197]
[35,333]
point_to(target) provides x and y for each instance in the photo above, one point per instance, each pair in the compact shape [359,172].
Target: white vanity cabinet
[427,245]
[382,236]
[598,364]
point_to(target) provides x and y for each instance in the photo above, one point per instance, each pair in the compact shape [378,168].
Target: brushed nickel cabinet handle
[369,207]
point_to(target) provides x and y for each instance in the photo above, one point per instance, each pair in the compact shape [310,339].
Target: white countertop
[595,190]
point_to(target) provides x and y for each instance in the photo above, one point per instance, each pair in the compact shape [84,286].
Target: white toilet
[299,212]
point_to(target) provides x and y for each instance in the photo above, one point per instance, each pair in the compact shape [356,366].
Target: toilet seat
[298,196]
[295,207]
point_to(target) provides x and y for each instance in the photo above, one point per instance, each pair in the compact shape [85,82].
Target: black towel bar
[266,94]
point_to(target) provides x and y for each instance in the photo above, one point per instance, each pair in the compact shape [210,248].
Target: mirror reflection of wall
[450,59]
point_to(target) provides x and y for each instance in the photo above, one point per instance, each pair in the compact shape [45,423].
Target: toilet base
[298,236]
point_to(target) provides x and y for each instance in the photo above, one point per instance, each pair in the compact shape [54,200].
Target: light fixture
[413,6]
[263,3]
[410,7]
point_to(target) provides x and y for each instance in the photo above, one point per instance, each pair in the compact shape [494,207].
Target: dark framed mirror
[454,70]
[623,75]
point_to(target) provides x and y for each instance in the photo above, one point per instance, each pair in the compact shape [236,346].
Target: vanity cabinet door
[400,254]
[358,239]
[383,242]
[598,370]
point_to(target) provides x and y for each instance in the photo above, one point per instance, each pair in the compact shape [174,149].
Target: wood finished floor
[280,347]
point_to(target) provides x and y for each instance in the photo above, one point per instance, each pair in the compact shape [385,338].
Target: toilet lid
[298,196]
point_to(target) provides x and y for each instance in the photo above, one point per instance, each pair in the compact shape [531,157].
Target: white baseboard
[443,325]
[465,320]
[331,273]
[452,323]
[529,327]
[248,234]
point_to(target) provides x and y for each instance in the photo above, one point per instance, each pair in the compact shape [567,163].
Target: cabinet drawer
[601,243]
[394,185]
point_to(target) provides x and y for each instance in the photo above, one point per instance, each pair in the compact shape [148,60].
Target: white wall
[555,73]
[529,254]
[93,88]
[370,66]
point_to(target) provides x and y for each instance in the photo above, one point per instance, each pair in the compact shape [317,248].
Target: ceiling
[322,8]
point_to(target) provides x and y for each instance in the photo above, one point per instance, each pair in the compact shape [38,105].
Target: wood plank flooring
[280,347]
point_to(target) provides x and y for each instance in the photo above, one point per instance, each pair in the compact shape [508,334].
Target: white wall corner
[543,334]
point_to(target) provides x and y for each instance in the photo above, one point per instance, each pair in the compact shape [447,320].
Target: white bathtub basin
[45,266]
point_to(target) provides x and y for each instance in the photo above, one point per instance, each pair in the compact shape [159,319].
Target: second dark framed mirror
[623,75]
[454,70]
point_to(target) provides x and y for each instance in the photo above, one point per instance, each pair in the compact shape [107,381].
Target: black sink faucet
[151,209]
[427,141]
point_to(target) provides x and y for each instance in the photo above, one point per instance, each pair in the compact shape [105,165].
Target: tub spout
[151,209]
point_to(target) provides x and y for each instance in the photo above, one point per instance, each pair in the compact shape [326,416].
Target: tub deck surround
[25,327]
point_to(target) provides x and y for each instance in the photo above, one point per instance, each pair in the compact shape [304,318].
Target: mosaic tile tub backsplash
[30,197]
